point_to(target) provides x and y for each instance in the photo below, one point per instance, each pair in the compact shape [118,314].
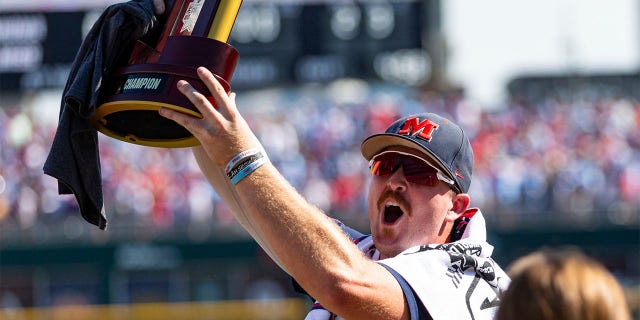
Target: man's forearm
[222,186]
[275,215]
[298,236]
[287,221]
[316,252]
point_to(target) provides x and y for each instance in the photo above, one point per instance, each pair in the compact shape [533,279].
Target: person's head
[422,166]
[561,284]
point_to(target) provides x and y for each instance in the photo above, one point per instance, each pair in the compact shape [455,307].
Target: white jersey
[457,280]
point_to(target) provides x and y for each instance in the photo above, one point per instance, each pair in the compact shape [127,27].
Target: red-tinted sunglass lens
[384,166]
[414,169]
[424,177]
[417,171]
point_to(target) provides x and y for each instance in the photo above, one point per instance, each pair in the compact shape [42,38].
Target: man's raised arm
[301,238]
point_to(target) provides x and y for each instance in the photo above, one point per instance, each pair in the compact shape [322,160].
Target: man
[417,202]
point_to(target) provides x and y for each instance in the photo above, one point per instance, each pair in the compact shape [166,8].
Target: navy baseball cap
[438,138]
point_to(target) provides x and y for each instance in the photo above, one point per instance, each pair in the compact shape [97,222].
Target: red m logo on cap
[422,129]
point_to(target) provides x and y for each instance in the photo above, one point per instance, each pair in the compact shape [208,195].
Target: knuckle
[200,99]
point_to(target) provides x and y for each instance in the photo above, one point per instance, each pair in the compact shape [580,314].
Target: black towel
[74,155]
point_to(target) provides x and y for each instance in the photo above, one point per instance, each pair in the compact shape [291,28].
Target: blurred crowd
[576,154]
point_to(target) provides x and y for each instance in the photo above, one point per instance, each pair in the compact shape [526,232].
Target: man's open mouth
[392,213]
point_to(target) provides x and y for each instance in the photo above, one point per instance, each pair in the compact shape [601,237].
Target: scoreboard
[37,48]
[279,43]
[325,41]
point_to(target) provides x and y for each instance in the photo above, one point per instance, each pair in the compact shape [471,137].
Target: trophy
[194,34]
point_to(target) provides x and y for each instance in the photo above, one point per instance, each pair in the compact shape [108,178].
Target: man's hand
[159,5]
[222,131]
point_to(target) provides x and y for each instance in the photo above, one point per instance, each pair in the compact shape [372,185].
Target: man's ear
[459,204]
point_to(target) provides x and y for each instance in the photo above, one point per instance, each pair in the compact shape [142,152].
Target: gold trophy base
[138,122]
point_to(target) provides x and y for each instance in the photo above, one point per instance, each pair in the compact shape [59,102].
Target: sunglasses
[416,169]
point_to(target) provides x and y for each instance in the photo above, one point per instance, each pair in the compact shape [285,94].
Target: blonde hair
[562,284]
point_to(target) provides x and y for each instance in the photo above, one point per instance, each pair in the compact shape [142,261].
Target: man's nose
[397,181]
